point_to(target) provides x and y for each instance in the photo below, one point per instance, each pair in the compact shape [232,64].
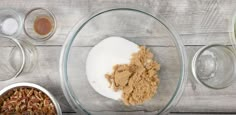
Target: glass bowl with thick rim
[30,20]
[213,66]
[8,71]
[137,26]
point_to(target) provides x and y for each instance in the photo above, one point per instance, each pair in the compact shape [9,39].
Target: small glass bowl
[17,57]
[31,56]
[30,18]
[10,13]
[214,66]
[7,71]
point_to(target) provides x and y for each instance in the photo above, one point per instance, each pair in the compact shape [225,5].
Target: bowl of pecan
[28,99]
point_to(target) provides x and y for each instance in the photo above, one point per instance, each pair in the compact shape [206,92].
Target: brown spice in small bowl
[43,25]
[26,101]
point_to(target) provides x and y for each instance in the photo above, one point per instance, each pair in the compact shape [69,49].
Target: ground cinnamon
[43,25]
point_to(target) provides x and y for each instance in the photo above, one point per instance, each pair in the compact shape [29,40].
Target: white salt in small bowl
[10,22]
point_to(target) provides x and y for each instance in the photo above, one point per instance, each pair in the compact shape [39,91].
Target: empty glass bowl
[40,24]
[134,25]
[17,56]
[214,66]
[7,71]
[31,56]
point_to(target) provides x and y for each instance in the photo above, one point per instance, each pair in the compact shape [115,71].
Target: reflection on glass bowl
[139,27]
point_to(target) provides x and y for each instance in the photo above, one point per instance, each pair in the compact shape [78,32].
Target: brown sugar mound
[138,80]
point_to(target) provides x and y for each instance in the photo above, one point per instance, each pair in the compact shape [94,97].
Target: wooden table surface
[198,22]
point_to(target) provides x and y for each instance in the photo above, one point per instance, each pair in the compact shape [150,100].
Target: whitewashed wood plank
[199,100]
[187,39]
[187,16]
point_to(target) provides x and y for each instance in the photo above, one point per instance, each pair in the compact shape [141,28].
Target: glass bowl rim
[66,87]
[194,60]
[18,44]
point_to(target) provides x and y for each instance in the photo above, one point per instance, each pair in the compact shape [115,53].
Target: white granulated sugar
[102,58]
[9,26]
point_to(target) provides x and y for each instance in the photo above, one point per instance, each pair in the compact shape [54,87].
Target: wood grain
[189,17]
[200,99]
[198,22]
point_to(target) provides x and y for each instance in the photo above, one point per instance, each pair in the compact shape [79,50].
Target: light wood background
[198,22]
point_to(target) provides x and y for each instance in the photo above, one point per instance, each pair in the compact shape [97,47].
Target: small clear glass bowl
[30,18]
[17,57]
[7,71]
[137,26]
[31,56]
[10,13]
[214,66]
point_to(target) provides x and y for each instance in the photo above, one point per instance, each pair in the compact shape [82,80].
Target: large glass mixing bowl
[134,25]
